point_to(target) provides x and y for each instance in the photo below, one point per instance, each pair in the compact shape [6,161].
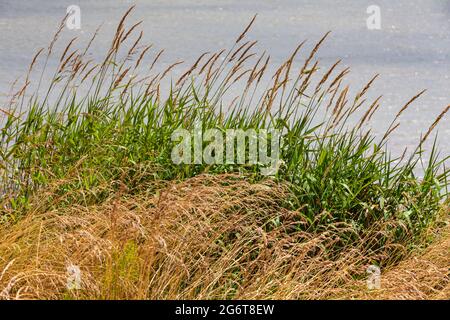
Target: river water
[411,51]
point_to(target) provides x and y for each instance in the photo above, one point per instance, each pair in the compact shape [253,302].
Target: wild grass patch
[99,138]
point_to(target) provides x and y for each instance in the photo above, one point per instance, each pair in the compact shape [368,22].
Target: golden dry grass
[425,275]
[212,236]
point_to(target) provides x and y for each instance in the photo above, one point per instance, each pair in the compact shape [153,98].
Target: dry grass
[212,236]
[425,275]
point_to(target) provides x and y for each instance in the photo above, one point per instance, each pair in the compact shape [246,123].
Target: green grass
[116,137]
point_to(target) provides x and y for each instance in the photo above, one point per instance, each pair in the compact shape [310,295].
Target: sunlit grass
[113,141]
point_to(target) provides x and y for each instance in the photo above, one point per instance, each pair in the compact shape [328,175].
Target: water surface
[411,51]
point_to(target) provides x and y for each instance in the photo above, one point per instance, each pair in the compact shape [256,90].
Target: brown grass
[208,237]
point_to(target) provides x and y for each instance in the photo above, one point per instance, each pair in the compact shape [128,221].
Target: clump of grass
[101,133]
[423,275]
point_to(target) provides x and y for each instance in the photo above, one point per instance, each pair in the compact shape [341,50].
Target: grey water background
[411,52]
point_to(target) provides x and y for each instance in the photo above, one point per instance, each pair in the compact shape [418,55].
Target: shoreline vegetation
[87,181]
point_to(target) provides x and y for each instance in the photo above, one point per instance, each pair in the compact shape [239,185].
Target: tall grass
[102,129]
